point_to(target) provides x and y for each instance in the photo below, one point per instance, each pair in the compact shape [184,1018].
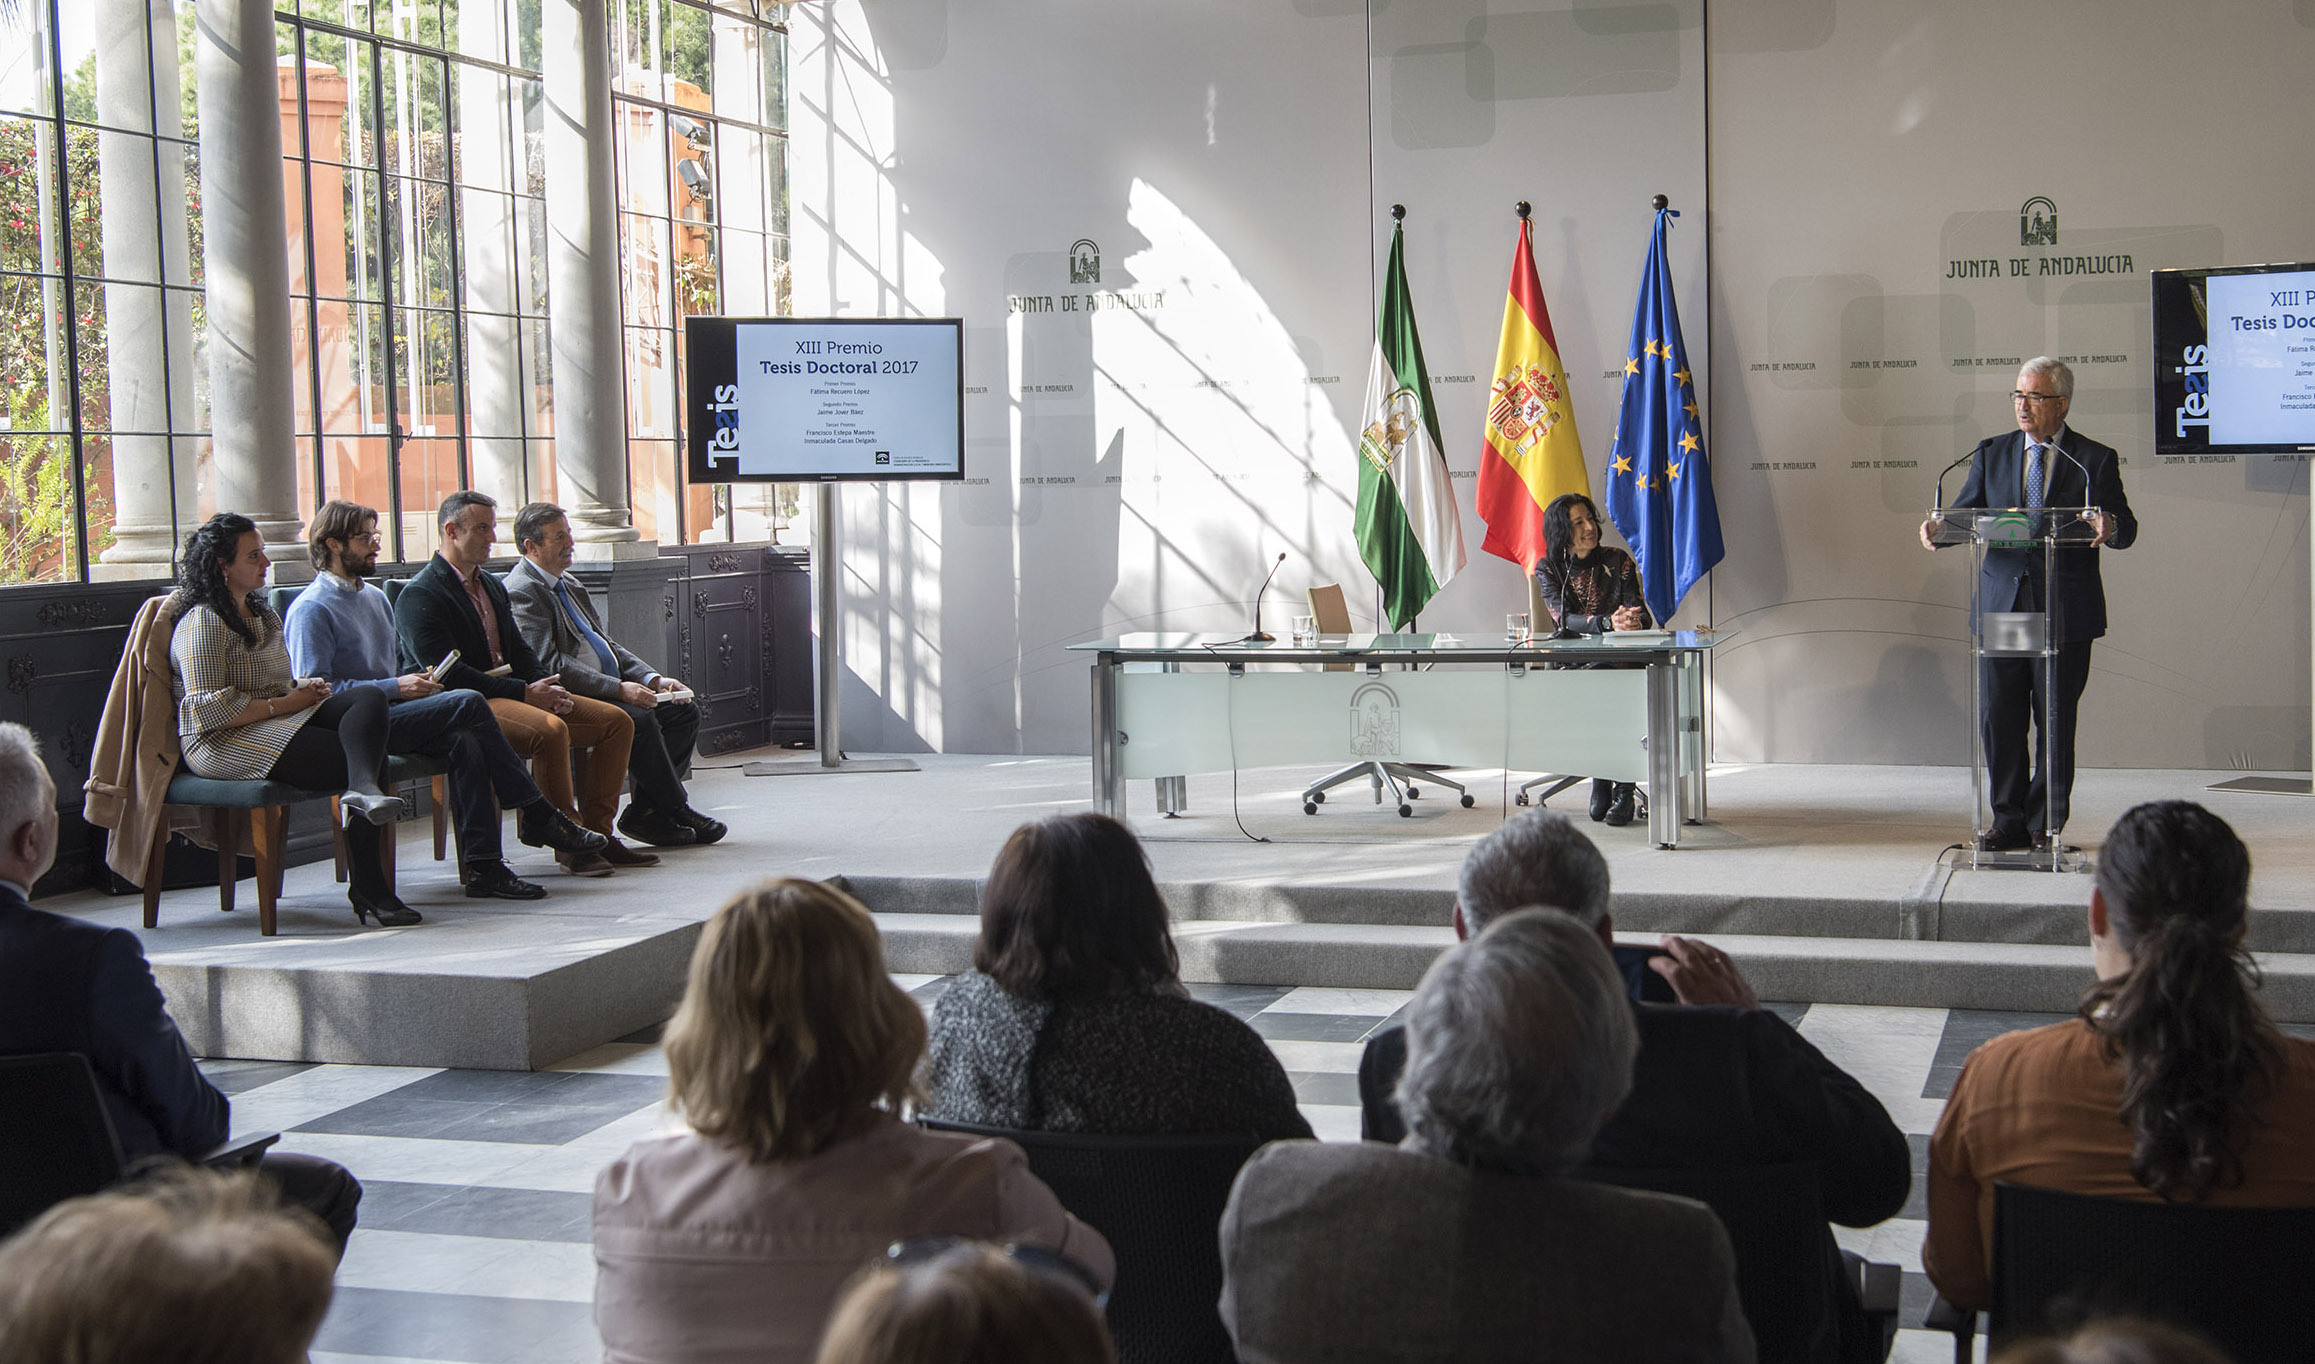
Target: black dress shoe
[620,855]
[710,830]
[541,825]
[1603,796]
[384,906]
[2004,840]
[497,881]
[1620,809]
[657,827]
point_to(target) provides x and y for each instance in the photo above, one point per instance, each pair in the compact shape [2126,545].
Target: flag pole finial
[1398,213]
[1661,203]
[1522,209]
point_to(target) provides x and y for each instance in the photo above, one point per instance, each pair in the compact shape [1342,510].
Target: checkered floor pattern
[473,1243]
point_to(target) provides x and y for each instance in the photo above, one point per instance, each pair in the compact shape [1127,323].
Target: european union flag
[1659,482]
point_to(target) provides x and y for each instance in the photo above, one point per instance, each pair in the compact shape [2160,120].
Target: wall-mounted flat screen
[818,399]
[2234,360]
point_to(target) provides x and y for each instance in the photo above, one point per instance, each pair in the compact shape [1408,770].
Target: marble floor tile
[1287,1027]
[1340,1057]
[471,1210]
[1317,999]
[1965,1031]
[1887,1050]
[1325,1088]
[1332,1122]
[286,1103]
[618,1058]
[238,1077]
[1240,1000]
[459,1327]
[471,1266]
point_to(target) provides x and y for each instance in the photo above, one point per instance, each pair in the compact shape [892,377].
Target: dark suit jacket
[555,638]
[66,985]
[1350,1254]
[434,615]
[1712,1088]
[2012,580]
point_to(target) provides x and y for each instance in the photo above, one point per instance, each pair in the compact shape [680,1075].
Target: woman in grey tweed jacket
[1074,1018]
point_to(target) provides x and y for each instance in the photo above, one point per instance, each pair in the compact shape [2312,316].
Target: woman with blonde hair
[966,1303]
[790,1059]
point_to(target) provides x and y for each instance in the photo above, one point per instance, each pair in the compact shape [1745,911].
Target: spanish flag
[1532,454]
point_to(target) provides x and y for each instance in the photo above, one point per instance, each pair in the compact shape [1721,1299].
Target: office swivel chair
[1333,616]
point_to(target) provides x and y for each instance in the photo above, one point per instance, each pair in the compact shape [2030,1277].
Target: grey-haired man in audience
[1720,1083]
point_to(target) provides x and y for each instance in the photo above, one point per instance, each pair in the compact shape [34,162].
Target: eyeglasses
[1044,1263]
[369,537]
[2021,396]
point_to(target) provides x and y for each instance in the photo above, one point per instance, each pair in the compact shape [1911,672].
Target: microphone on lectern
[1261,636]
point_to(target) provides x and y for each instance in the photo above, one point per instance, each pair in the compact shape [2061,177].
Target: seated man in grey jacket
[1469,1240]
[558,621]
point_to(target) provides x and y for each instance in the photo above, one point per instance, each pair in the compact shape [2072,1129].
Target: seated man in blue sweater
[341,630]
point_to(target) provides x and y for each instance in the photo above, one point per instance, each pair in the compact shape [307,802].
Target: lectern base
[2065,857]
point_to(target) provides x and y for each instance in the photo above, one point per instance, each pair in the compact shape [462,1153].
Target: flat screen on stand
[816,400]
[2234,360]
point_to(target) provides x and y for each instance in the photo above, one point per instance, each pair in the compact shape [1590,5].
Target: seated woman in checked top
[1074,1019]
[242,716]
[1590,589]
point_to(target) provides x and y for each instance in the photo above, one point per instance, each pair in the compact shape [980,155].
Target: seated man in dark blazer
[557,617]
[70,986]
[1720,1082]
[455,603]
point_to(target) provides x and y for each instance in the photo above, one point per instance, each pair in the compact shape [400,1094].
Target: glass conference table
[1167,705]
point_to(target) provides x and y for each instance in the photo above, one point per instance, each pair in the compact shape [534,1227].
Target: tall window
[415,236]
[102,400]
[699,97]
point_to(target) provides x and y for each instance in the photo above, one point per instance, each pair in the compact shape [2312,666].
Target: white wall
[1235,160]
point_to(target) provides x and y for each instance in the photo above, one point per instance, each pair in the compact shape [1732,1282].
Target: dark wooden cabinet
[741,615]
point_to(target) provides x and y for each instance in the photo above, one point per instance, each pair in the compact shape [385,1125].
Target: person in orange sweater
[2172,1084]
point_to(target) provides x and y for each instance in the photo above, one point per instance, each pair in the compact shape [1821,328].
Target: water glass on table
[1516,628]
[1306,629]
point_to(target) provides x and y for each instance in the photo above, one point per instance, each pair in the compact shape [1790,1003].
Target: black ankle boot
[1603,795]
[1620,809]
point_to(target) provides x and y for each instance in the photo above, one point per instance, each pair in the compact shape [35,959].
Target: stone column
[583,279]
[148,334]
[490,127]
[252,370]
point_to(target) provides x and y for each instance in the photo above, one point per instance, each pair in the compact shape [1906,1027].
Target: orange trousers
[547,740]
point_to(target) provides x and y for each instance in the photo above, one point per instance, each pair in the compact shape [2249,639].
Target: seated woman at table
[1590,589]
[1074,1019]
[789,1061]
[243,716]
[2172,1084]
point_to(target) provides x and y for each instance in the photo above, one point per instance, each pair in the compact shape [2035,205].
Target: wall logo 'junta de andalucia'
[1084,261]
[2037,222]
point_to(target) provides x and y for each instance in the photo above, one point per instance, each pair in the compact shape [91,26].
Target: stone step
[2021,977]
[1963,907]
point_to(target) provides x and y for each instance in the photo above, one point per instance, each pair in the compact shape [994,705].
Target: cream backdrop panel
[1140,445]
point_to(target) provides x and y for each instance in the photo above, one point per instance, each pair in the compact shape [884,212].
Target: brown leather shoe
[620,855]
[583,864]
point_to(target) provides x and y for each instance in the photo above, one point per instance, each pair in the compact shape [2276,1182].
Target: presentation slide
[801,399]
[2262,359]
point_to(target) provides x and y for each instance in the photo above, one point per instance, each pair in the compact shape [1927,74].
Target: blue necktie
[602,646]
[2034,474]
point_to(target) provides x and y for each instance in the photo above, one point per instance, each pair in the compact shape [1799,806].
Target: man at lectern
[2043,463]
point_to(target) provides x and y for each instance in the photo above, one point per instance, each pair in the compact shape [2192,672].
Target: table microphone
[1261,636]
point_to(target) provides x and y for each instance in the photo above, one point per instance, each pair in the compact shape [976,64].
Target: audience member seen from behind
[2215,1104]
[1590,589]
[243,716]
[967,1303]
[1469,1240]
[790,1058]
[70,985]
[1721,1084]
[1074,1019]
[191,1267]
[2120,1340]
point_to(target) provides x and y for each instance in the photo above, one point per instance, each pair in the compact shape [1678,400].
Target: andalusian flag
[1532,453]
[1409,531]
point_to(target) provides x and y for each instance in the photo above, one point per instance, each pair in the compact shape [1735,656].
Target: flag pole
[1382,609]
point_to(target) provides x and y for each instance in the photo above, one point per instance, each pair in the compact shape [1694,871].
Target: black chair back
[279,599]
[56,1141]
[1775,1219]
[393,587]
[2231,1275]
[1158,1202]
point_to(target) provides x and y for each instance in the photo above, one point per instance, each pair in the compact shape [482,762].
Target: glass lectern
[2029,635]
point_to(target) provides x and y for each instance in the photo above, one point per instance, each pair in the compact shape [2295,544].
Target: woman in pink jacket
[790,1058]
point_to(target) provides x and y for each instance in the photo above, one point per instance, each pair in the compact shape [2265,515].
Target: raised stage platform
[1824,882]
